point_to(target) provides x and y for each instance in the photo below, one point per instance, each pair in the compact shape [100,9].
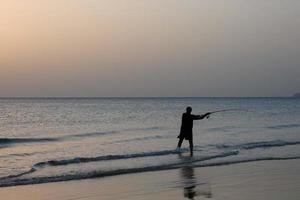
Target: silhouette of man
[186,130]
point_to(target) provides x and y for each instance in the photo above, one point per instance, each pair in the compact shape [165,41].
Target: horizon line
[134,97]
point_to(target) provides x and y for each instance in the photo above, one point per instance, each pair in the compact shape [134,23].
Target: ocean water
[48,140]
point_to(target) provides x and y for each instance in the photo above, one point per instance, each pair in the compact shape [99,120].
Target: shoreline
[144,170]
[276,179]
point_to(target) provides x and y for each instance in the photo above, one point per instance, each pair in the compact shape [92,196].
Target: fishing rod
[225,110]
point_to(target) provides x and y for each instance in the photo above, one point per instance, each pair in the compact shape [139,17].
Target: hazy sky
[149,47]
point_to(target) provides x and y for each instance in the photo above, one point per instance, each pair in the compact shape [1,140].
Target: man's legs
[191,146]
[179,142]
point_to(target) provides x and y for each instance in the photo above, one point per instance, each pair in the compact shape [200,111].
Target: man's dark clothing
[186,130]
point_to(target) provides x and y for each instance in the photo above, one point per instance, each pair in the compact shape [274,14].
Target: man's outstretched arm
[199,117]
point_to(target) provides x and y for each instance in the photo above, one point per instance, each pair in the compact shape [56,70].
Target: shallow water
[46,140]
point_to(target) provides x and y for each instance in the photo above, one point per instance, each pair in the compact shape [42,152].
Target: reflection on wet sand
[192,187]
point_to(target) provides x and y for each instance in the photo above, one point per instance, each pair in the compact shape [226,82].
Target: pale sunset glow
[149,48]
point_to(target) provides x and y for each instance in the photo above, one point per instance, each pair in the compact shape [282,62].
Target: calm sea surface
[47,140]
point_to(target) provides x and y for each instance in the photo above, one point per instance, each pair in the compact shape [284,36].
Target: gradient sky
[149,48]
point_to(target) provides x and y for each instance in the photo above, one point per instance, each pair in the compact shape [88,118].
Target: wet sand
[276,180]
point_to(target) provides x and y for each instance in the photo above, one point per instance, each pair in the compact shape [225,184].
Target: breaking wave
[284,126]
[17,179]
[264,144]
[5,141]
[12,141]
[103,158]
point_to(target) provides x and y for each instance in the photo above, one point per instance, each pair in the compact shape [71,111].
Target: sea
[61,139]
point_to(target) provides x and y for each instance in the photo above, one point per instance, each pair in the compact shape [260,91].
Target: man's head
[189,110]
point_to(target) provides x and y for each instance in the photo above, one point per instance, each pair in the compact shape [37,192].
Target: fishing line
[225,110]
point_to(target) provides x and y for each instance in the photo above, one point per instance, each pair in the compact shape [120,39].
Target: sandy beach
[255,180]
